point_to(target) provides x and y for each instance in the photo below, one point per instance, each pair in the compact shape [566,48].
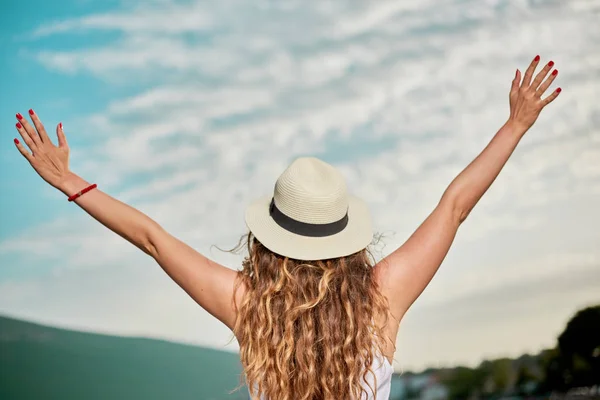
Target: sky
[189,110]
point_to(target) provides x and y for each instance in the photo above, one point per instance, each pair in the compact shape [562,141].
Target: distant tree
[463,381]
[526,380]
[576,360]
[497,375]
[501,373]
[412,393]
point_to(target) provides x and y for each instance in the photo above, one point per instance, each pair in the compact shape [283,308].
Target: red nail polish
[551,63]
[60,125]
[19,126]
[19,116]
[30,111]
[16,141]
[555,72]
[558,90]
[537,58]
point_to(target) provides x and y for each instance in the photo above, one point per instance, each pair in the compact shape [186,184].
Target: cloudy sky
[188,110]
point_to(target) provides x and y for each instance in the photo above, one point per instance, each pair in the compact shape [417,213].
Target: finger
[39,127]
[26,138]
[551,98]
[541,75]
[544,86]
[529,72]
[515,82]
[30,130]
[62,139]
[23,151]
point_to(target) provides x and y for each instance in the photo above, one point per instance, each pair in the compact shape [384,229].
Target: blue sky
[189,110]
[28,84]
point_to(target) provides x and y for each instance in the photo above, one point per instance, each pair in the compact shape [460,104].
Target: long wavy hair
[306,329]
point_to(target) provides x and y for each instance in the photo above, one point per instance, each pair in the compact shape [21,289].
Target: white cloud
[191,17]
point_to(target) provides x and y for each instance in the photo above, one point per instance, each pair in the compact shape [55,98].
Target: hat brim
[356,236]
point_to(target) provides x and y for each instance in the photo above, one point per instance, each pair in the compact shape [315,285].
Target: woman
[315,316]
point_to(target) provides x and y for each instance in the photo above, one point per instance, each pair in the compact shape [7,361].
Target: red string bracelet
[87,189]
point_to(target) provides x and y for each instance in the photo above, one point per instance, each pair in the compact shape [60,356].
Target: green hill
[40,362]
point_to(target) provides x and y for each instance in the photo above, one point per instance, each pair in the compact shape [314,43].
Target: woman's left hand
[49,161]
[526,101]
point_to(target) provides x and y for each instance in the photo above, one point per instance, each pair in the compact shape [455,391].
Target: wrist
[515,127]
[71,183]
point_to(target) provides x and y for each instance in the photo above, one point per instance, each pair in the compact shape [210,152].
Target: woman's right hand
[526,101]
[49,161]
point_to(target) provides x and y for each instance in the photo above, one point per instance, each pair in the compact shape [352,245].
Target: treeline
[573,363]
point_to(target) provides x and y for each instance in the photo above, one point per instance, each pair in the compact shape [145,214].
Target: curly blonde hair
[306,329]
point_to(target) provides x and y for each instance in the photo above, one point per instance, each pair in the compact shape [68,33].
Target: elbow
[151,238]
[460,212]
[150,249]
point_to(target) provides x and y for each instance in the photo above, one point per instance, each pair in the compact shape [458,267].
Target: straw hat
[310,215]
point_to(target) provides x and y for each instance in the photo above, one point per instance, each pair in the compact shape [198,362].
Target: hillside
[40,362]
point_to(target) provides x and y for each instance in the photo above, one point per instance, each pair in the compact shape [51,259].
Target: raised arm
[404,274]
[208,283]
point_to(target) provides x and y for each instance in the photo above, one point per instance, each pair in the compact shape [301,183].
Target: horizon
[174,342]
[173,118]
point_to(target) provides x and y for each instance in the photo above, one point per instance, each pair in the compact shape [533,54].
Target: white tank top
[383,370]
